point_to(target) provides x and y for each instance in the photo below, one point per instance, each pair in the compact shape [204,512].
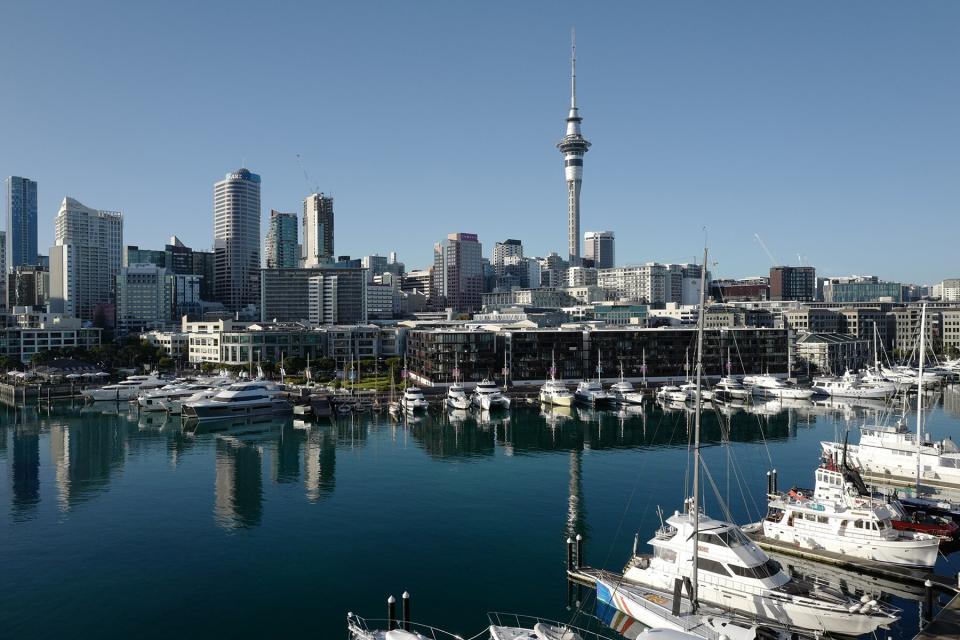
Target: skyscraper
[509,248]
[85,259]
[599,247]
[236,240]
[317,230]
[282,243]
[458,272]
[21,243]
[573,146]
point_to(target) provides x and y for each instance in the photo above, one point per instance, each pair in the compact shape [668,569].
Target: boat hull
[206,412]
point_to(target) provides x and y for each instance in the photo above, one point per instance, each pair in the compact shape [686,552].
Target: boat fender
[864,598]
[854,608]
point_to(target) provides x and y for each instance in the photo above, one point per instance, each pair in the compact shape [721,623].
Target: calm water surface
[116,525]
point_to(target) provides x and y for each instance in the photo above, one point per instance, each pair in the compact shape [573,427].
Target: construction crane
[763,244]
[306,177]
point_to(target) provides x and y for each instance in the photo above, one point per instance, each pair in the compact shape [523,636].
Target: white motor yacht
[729,388]
[487,396]
[413,400]
[624,393]
[840,517]
[555,392]
[457,397]
[736,575]
[591,393]
[773,387]
[663,393]
[240,400]
[851,386]
[157,400]
[127,389]
[174,405]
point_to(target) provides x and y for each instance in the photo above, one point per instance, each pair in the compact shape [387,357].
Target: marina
[278,505]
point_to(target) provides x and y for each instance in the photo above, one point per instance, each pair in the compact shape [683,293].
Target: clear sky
[832,129]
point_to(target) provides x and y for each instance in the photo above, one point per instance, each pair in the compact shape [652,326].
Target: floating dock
[946,624]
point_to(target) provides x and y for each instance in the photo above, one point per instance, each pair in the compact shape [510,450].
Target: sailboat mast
[696,429]
[923,352]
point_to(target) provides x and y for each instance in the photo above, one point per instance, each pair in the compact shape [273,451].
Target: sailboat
[721,567]
[895,455]
[394,407]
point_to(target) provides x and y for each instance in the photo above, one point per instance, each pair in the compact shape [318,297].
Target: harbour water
[116,525]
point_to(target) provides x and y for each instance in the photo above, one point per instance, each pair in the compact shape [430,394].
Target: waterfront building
[20,243]
[812,320]
[906,334]
[529,353]
[282,245]
[864,322]
[611,314]
[236,240]
[175,344]
[861,289]
[573,146]
[833,353]
[28,286]
[599,248]
[458,272]
[85,260]
[951,331]
[793,283]
[317,230]
[30,331]
[331,295]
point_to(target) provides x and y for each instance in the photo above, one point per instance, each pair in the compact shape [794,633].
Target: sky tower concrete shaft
[573,146]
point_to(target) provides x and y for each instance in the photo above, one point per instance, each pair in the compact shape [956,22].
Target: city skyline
[798,147]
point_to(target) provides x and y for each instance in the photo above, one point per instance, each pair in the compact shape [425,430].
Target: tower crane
[763,244]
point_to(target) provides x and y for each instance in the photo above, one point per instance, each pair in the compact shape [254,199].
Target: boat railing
[364,628]
[517,620]
[665,532]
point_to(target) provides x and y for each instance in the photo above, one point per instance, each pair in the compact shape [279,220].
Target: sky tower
[573,146]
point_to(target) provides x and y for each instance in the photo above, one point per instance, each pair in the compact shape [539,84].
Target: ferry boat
[774,387]
[243,399]
[840,517]
[413,400]
[487,396]
[127,389]
[852,386]
[457,397]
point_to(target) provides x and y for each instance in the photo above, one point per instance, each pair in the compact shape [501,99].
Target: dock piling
[579,551]
[406,610]
[569,554]
[391,613]
[928,599]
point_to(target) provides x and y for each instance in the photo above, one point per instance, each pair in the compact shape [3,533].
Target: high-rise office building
[282,244]
[85,259]
[458,272]
[793,283]
[236,240]
[321,295]
[28,286]
[375,265]
[21,241]
[317,230]
[502,250]
[3,270]
[598,246]
[151,297]
[573,146]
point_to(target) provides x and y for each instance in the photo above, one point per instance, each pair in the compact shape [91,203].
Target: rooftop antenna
[573,67]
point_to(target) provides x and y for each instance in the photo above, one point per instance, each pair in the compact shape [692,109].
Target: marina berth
[849,385]
[624,393]
[457,397]
[591,394]
[773,387]
[729,388]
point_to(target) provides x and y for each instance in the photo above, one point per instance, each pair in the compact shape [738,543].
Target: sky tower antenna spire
[573,67]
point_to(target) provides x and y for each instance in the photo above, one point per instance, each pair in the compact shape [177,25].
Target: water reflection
[25,470]
[238,498]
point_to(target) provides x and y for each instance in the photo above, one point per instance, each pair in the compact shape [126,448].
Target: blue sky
[831,129]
